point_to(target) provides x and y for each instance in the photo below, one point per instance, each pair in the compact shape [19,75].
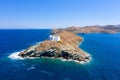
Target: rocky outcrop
[66,48]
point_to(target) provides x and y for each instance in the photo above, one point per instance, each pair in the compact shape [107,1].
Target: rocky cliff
[66,48]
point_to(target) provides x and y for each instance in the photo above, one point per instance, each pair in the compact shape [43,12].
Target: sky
[37,14]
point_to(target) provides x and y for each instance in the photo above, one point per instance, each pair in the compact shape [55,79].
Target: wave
[14,55]
[30,68]
[46,72]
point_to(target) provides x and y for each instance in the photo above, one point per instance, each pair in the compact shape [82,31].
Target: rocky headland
[60,44]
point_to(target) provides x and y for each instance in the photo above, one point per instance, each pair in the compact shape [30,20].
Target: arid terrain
[66,48]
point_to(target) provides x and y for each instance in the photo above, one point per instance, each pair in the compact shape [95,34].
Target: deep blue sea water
[103,48]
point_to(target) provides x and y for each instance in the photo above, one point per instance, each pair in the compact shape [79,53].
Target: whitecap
[31,68]
[46,72]
[14,55]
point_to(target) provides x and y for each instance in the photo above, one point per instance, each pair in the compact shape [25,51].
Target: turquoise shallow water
[103,48]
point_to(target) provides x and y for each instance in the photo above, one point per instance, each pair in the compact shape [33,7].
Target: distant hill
[112,27]
[94,29]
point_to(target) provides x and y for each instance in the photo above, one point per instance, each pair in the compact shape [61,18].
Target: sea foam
[30,68]
[14,55]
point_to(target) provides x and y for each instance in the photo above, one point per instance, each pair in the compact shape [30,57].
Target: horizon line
[56,27]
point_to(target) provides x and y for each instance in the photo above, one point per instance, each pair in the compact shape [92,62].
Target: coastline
[60,44]
[15,55]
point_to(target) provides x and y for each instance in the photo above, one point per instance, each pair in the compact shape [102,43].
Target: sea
[103,48]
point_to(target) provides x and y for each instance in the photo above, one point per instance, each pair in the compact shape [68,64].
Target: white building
[55,38]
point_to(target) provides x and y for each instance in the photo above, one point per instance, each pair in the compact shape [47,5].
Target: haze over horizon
[37,14]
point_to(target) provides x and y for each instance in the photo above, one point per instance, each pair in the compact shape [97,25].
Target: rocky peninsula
[60,44]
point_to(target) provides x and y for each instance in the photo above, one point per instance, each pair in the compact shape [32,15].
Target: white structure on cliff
[55,38]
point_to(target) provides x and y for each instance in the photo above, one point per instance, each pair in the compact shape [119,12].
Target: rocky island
[60,44]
